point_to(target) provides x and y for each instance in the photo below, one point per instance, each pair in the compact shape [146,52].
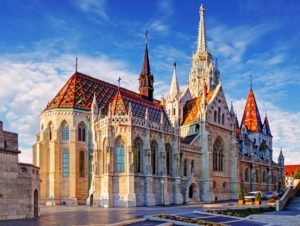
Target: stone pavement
[95,216]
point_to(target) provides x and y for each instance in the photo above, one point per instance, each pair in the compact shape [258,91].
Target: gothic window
[174,111]
[65,163]
[256,176]
[197,128]
[223,119]
[154,149]
[215,116]
[192,166]
[185,166]
[81,164]
[264,176]
[120,156]
[219,115]
[81,132]
[168,159]
[246,174]
[65,131]
[137,155]
[218,154]
[50,128]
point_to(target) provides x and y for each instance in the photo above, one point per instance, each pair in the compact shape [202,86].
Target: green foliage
[258,196]
[241,195]
[297,174]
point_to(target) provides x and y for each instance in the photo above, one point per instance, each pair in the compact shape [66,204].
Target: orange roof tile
[290,169]
[192,107]
[251,117]
[79,90]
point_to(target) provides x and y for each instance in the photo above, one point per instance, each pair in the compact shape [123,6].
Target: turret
[146,78]
[281,158]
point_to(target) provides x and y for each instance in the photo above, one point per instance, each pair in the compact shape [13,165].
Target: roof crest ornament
[76,64]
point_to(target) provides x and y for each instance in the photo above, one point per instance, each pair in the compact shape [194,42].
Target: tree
[297,174]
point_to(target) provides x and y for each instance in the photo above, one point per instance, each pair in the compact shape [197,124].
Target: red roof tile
[251,118]
[290,169]
[79,90]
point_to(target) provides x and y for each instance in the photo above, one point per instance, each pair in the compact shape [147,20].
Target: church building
[105,145]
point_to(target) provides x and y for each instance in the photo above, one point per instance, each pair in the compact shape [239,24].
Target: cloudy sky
[40,40]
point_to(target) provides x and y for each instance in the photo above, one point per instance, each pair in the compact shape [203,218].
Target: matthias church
[105,145]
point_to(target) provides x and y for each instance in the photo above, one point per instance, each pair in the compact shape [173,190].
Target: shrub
[297,174]
[258,196]
[241,195]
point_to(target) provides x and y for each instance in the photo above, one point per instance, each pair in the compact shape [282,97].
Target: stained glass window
[120,156]
[81,132]
[65,132]
[65,163]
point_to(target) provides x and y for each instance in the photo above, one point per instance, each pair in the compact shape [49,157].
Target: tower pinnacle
[174,89]
[202,46]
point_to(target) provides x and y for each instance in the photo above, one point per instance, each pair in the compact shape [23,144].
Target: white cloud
[92,7]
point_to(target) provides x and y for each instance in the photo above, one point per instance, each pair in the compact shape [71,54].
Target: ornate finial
[250,78]
[202,9]
[202,45]
[174,64]
[146,37]
[119,82]
[76,64]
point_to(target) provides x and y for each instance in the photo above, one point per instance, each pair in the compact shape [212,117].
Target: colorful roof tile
[192,107]
[290,169]
[251,118]
[79,90]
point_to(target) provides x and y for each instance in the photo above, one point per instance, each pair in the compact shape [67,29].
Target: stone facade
[104,145]
[19,182]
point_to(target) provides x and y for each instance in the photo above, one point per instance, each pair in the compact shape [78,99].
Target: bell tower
[204,68]
[146,78]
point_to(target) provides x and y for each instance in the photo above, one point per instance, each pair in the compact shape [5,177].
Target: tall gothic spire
[174,89]
[202,46]
[146,78]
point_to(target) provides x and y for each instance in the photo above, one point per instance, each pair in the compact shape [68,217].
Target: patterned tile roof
[290,169]
[251,118]
[78,93]
[192,107]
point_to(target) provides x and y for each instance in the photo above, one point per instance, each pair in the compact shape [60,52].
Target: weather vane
[76,64]
[251,81]
[119,81]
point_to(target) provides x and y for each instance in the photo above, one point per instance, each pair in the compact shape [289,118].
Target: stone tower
[146,78]
[203,68]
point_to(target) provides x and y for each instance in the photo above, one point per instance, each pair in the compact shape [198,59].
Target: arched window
[197,128]
[81,132]
[215,116]
[65,163]
[168,159]
[174,111]
[120,156]
[50,128]
[246,174]
[65,131]
[153,157]
[219,115]
[264,176]
[137,155]
[81,164]
[256,176]
[223,119]
[218,154]
[185,166]
[192,166]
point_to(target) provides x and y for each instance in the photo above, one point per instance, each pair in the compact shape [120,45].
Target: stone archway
[192,193]
[36,203]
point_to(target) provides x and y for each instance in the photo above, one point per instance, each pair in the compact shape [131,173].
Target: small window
[81,164]
[120,155]
[223,119]
[215,116]
[81,132]
[174,111]
[65,132]
[219,115]
[65,163]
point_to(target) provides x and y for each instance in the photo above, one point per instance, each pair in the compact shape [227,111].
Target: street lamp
[162,185]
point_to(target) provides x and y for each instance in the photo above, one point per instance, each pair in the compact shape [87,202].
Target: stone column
[51,176]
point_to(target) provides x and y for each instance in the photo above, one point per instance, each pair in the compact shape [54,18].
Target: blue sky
[39,41]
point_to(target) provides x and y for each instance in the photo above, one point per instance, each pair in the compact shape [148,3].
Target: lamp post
[163,188]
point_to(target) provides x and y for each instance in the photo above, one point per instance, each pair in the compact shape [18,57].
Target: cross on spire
[146,37]
[119,82]
[251,79]
[76,64]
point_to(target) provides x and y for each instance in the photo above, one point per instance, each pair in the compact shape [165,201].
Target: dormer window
[67,101]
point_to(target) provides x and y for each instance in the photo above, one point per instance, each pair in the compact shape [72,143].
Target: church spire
[202,45]
[146,78]
[174,89]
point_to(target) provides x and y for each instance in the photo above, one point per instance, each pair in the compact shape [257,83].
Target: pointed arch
[81,132]
[137,155]
[218,154]
[65,131]
[120,155]
[168,149]
[154,153]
